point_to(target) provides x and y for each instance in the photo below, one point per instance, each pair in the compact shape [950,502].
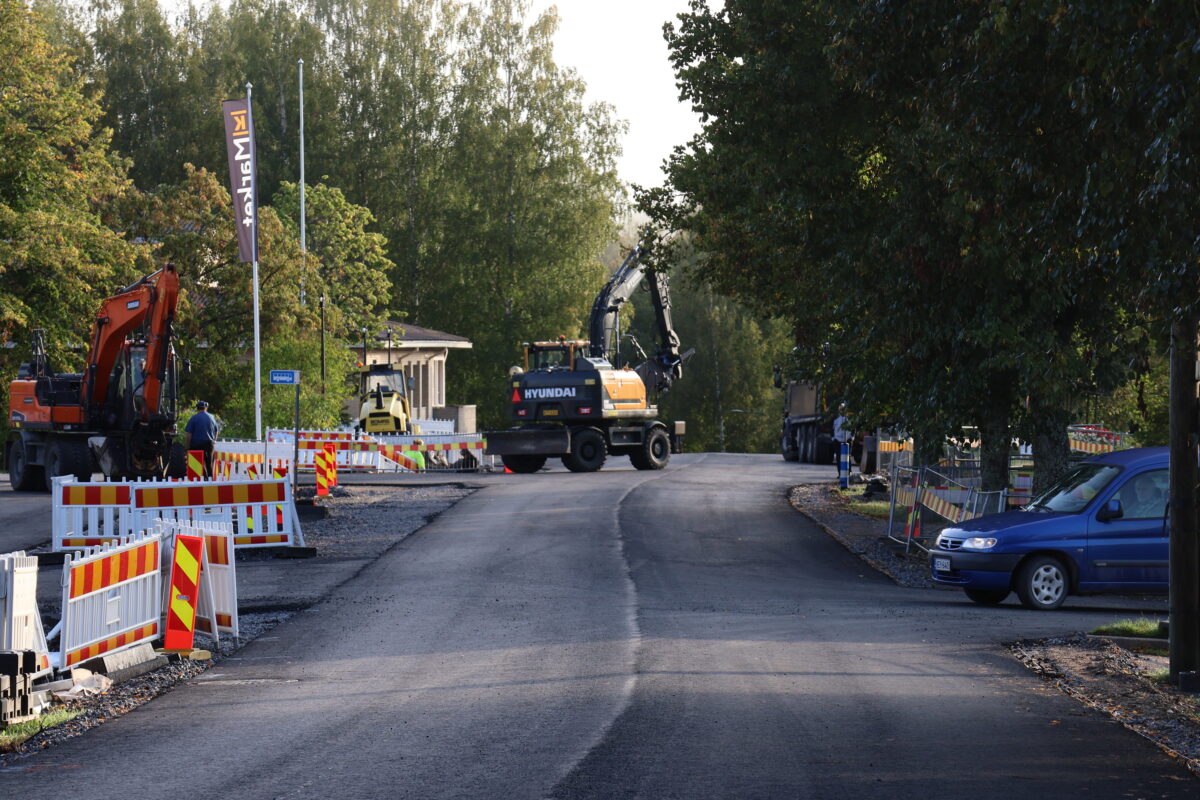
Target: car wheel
[523,464]
[654,452]
[1042,583]
[587,451]
[986,597]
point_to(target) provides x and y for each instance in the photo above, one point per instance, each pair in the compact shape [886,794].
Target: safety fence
[1095,439]
[452,452]
[20,621]
[262,512]
[111,599]
[924,500]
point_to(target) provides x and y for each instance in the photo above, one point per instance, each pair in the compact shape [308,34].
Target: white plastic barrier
[262,512]
[234,458]
[216,607]
[351,455]
[434,427]
[88,514]
[20,622]
[112,599]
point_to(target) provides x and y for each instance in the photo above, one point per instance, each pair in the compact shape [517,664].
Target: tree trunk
[1184,596]
[1051,452]
[994,444]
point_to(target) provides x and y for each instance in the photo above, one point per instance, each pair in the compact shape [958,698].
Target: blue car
[1102,528]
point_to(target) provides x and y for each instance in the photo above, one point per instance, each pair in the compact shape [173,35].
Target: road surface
[625,634]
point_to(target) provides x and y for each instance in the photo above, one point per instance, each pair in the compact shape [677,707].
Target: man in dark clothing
[201,434]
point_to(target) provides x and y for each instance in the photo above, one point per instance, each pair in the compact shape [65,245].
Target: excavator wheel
[654,452]
[67,457]
[23,476]
[523,464]
[177,461]
[587,451]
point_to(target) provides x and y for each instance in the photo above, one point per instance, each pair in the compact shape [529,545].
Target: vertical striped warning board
[184,595]
[112,599]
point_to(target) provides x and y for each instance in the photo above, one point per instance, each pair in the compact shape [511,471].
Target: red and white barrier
[247,505]
[88,514]
[20,621]
[112,599]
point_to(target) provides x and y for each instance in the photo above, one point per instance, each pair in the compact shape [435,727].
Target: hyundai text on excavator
[573,399]
[119,413]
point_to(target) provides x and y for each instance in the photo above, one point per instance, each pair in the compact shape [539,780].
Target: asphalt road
[681,634]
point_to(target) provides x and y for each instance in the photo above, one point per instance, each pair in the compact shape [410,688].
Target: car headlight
[979,543]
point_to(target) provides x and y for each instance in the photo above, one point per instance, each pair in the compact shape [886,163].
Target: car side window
[1144,496]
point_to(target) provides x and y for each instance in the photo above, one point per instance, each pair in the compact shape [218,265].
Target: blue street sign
[287,377]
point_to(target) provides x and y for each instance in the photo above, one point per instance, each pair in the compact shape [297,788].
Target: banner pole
[303,238]
[257,356]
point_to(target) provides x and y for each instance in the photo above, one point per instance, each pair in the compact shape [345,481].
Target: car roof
[1135,457]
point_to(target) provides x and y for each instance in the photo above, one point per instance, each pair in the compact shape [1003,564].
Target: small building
[421,353]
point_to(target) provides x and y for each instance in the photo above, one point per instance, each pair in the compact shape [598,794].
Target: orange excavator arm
[152,299]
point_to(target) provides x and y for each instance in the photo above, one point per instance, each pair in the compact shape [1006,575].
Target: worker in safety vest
[417,455]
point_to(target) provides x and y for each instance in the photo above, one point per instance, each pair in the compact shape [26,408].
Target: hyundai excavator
[574,400]
[119,413]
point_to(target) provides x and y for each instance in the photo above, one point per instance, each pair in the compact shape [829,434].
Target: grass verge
[1142,626]
[875,509]
[14,734]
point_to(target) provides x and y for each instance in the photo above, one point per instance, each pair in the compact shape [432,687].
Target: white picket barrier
[20,621]
[262,512]
[434,427]
[216,607]
[88,514]
[233,459]
[112,599]
[360,455]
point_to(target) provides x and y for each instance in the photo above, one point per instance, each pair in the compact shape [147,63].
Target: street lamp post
[322,343]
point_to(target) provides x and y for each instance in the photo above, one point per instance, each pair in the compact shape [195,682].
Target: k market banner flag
[243,161]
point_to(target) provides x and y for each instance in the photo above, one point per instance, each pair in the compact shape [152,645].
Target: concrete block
[125,664]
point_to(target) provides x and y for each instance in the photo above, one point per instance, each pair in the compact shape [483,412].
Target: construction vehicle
[384,398]
[119,413]
[574,400]
[807,434]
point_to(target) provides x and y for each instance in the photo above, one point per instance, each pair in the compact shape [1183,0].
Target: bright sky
[618,50]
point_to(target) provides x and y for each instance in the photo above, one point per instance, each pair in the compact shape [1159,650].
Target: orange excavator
[120,413]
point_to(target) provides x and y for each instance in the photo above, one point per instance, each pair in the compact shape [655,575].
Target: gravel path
[362,522]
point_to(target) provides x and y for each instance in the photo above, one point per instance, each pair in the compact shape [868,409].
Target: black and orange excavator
[119,413]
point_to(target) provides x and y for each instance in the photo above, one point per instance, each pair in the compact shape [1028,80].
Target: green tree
[57,259]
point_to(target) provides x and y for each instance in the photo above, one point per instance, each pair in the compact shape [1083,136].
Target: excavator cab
[551,356]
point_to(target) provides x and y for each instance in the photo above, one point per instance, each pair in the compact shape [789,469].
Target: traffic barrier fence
[20,621]
[111,600]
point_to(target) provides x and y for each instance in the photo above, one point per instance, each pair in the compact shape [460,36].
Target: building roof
[406,335]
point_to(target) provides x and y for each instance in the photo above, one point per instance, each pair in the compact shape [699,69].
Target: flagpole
[257,356]
[303,238]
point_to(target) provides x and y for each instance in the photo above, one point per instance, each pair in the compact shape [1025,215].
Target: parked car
[1102,528]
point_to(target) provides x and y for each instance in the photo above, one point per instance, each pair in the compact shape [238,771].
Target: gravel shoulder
[1093,670]
[362,523]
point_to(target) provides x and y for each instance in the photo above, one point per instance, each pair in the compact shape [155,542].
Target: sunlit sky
[618,49]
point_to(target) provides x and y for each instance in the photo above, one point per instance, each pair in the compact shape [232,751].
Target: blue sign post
[291,377]
[844,465]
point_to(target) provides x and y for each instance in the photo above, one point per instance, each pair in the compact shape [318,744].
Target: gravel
[362,522]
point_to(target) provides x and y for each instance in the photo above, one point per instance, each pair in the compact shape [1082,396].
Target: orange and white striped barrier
[112,599]
[1081,445]
[88,514]
[1021,491]
[184,594]
[20,621]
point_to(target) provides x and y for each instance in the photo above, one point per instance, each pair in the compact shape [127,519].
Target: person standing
[201,434]
[841,433]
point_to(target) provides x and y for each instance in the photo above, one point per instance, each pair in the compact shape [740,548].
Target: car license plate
[941,565]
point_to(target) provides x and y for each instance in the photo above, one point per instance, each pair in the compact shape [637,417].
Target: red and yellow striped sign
[95,494]
[185,585]
[218,550]
[225,494]
[195,465]
[321,465]
[331,465]
[106,572]
[147,631]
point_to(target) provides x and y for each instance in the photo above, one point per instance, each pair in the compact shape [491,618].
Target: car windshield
[1076,489]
